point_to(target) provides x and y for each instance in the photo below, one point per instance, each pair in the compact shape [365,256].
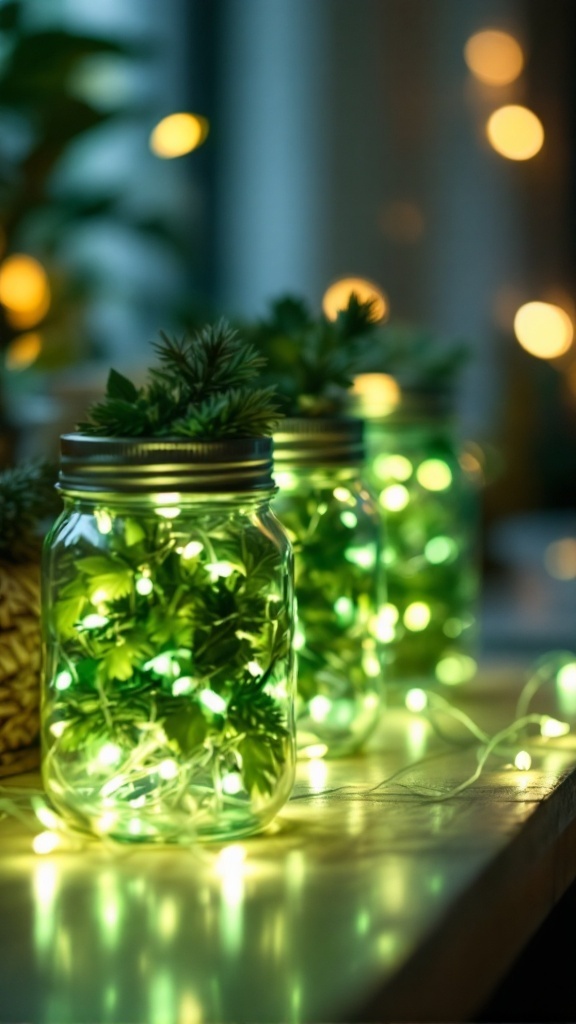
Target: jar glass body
[335,528]
[168,699]
[429,493]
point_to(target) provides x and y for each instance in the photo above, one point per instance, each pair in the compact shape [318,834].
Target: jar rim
[137,465]
[311,440]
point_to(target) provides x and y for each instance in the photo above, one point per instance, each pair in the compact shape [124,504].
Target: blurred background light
[23,351]
[178,134]
[560,558]
[337,295]
[494,57]
[24,286]
[402,221]
[544,330]
[378,393]
[515,132]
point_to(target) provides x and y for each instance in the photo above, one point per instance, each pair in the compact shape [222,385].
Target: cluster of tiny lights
[558,668]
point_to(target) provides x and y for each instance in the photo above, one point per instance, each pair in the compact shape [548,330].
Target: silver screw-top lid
[312,441]
[108,466]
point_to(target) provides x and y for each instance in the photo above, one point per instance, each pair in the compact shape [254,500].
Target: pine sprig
[27,500]
[314,360]
[202,389]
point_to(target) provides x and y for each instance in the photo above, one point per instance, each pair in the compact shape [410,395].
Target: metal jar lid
[311,441]
[109,466]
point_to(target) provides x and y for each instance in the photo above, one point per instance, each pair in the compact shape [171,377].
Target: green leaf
[261,761]
[187,727]
[67,613]
[120,387]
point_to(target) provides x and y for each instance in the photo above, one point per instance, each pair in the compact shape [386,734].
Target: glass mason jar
[428,488]
[168,699]
[335,528]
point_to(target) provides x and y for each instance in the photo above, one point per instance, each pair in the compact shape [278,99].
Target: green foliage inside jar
[335,534]
[431,507]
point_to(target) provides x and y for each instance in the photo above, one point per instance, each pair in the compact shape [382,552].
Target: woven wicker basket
[20,656]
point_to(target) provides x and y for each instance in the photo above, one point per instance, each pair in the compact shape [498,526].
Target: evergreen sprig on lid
[202,389]
[313,360]
[27,500]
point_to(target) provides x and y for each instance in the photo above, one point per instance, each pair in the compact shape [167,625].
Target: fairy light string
[513,742]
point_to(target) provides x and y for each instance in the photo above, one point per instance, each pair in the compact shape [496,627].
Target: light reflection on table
[300,924]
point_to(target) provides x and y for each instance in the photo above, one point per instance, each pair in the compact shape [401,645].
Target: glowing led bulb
[220,569]
[144,586]
[168,769]
[109,754]
[416,700]
[45,842]
[394,498]
[434,475]
[315,750]
[103,520]
[182,685]
[417,616]
[63,680]
[553,727]
[213,701]
[232,783]
[523,761]
[320,707]
[94,621]
[192,549]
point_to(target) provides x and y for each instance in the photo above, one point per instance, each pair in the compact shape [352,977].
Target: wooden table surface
[364,901]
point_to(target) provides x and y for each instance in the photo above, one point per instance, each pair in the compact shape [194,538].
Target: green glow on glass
[417,616]
[364,557]
[213,701]
[566,678]
[455,668]
[440,549]
[299,638]
[63,680]
[434,475]
[344,608]
[349,519]
[362,922]
[392,467]
[394,498]
[452,628]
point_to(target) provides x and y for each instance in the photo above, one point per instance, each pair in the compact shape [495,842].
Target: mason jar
[334,525]
[168,694]
[428,488]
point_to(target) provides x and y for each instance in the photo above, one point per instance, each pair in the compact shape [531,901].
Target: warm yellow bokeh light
[434,475]
[560,558]
[337,297]
[23,284]
[22,319]
[515,132]
[378,393]
[178,134]
[494,57]
[544,330]
[417,616]
[23,351]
